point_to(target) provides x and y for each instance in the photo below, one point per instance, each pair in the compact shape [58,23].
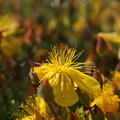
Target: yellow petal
[39,71]
[107,101]
[64,92]
[29,118]
[113,37]
[85,83]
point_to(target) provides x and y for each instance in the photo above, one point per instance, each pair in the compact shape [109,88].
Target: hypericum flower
[116,78]
[34,109]
[9,46]
[107,101]
[63,74]
[80,25]
[8,25]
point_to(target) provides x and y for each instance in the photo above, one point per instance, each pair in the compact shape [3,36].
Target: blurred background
[29,29]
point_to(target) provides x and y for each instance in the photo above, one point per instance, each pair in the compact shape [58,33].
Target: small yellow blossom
[107,101]
[9,46]
[35,109]
[8,25]
[80,25]
[63,73]
[116,79]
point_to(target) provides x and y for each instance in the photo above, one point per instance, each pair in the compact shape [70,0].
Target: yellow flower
[9,46]
[34,109]
[116,78]
[80,25]
[113,37]
[8,25]
[42,106]
[107,101]
[62,73]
